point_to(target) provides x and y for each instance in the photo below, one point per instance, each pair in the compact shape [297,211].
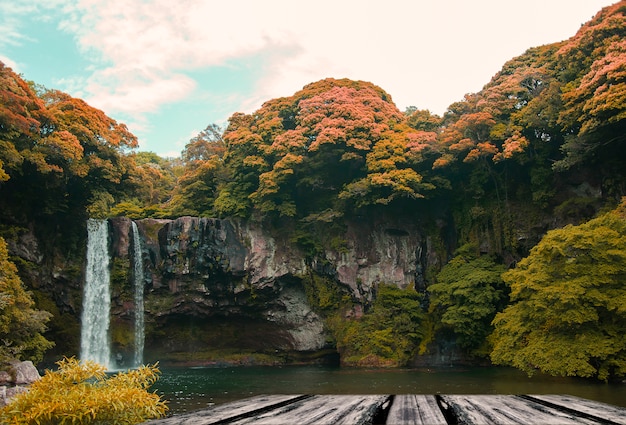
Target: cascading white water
[138,283]
[94,339]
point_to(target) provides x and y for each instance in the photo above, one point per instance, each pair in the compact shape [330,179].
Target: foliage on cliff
[467,295]
[568,303]
[387,334]
[21,325]
[82,393]
[339,146]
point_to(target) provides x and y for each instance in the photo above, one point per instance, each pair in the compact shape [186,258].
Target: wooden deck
[405,409]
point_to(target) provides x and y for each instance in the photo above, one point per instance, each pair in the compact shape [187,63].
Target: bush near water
[83,393]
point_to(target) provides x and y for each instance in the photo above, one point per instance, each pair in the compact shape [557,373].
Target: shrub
[389,334]
[567,315]
[82,393]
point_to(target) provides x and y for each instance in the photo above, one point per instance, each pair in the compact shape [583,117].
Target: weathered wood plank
[224,413]
[503,409]
[411,409]
[322,409]
[606,412]
[405,409]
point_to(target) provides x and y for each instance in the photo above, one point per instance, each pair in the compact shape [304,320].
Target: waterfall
[138,283]
[94,340]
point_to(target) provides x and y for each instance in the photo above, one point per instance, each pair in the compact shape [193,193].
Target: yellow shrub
[82,393]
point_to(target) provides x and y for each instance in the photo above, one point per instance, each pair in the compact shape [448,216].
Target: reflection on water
[189,389]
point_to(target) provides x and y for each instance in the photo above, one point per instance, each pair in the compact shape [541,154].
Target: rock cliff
[227,286]
[222,290]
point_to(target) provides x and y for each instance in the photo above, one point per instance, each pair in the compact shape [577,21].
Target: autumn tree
[594,93]
[422,120]
[332,144]
[21,325]
[567,314]
[21,114]
[203,170]
[205,145]
[150,183]
[58,150]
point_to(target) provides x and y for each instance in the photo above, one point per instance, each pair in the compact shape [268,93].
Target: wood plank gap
[261,410]
[569,410]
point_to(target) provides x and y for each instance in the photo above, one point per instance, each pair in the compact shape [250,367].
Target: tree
[389,334]
[331,146]
[196,190]
[206,144]
[82,393]
[21,325]
[389,172]
[58,150]
[204,170]
[568,303]
[594,91]
[468,294]
[21,113]
[422,119]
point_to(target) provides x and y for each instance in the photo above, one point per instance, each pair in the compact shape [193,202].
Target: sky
[167,69]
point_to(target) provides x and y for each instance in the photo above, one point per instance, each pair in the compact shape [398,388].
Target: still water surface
[189,389]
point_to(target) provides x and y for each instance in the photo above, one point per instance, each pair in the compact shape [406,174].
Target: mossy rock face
[324,294]
[120,279]
[63,327]
[122,334]
[237,340]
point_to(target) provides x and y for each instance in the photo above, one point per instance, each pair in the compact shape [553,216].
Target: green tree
[388,334]
[568,303]
[422,119]
[468,294]
[197,187]
[82,393]
[21,325]
[205,145]
[196,190]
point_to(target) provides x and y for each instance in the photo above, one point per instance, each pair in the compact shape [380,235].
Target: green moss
[122,335]
[221,356]
[120,279]
[324,294]
[339,244]
[576,209]
[9,232]
[63,328]
[162,302]
[151,229]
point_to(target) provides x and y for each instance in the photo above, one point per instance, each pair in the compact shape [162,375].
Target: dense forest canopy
[542,145]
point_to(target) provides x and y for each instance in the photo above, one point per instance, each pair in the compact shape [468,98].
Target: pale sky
[169,68]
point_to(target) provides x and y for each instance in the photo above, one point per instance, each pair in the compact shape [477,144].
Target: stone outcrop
[16,380]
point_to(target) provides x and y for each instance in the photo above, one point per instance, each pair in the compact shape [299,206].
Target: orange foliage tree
[332,144]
